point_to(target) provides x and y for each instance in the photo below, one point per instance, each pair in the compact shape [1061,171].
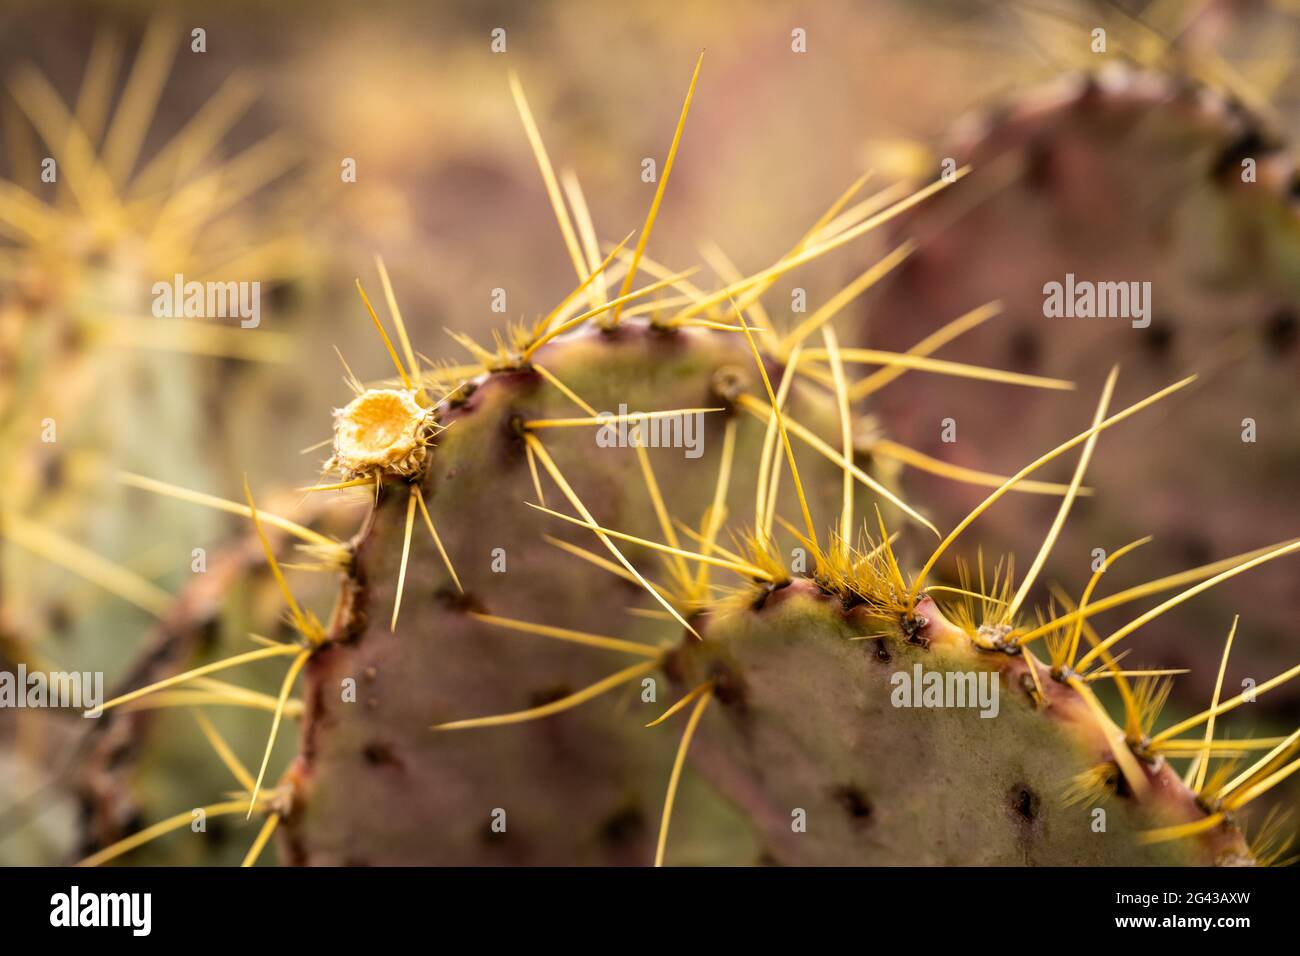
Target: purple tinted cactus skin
[1124,176]
[804,721]
[373,784]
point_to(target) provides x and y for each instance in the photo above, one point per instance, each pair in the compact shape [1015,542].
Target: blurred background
[231,162]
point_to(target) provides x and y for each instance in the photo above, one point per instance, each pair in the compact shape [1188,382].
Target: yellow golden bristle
[705,695]
[1274,839]
[149,834]
[1092,786]
[653,213]
[1151,694]
[1066,502]
[983,599]
[557,706]
[1038,463]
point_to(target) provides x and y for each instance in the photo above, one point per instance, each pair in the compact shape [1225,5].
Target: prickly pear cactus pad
[1157,151]
[661,568]
[510,563]
[882,772]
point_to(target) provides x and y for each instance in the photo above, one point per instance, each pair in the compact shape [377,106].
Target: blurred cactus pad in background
[649,434]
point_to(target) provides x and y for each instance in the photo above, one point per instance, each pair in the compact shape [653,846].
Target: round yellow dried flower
[381,431]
